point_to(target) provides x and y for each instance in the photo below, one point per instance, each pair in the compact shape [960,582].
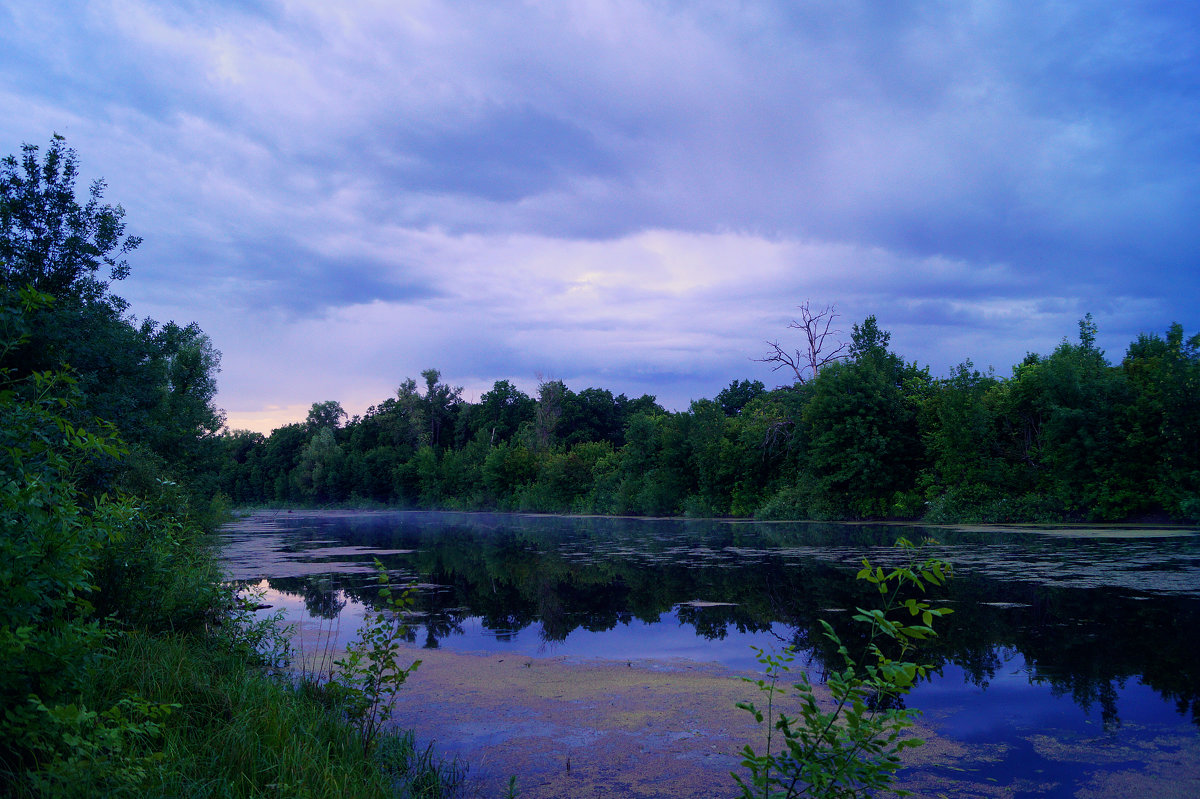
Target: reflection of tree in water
[711,623]
[596,574]
[442,626]
[321,599]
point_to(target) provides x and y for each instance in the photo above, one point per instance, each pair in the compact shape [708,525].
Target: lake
[1070,666]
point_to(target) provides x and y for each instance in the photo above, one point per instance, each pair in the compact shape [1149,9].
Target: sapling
[852,747]
[370,676]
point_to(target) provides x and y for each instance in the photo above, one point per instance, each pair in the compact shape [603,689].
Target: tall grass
[236,731]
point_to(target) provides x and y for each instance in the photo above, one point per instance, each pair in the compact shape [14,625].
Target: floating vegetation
[1117,532]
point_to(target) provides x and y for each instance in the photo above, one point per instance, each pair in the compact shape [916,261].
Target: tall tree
[1162,421]
[1066,412]
[325,415]
[441,406]
[549,412]
[501,411]
[738,394]
[48,240]
[864,448]
[158,384]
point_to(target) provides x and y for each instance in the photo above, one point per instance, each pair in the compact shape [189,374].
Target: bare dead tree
[817,327]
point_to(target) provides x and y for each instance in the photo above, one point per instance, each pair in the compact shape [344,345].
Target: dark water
[1076,648]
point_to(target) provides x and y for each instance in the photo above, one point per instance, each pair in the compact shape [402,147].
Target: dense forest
[860,434]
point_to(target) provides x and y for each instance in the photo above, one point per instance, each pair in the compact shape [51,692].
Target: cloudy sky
[630,194]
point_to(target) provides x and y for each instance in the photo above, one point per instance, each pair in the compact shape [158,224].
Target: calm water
[1082,637]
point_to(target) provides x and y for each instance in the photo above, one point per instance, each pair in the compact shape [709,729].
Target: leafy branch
[370,677]
[853,747]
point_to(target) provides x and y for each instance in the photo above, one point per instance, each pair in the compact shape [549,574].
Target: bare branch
[817,328]
[780,358]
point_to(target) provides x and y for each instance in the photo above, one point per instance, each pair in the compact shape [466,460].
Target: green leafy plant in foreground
[369,677]
[852,746]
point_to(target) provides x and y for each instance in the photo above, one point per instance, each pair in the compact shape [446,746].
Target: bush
[788,503]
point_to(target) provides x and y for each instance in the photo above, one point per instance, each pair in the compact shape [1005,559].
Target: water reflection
[1086,613]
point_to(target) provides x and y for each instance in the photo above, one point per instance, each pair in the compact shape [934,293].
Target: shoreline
[1141,528]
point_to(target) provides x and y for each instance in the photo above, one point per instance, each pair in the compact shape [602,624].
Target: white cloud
[697,307]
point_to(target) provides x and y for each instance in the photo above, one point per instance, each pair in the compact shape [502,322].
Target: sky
[628,194]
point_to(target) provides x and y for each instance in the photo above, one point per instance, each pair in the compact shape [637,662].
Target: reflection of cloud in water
[311,633]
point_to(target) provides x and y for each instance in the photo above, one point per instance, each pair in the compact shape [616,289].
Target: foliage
[48,241]
[368,679]
[231,729]
[78,571]
[738,394]
[852,745]
[1162,424]
[158,382]
[865,449]
[123,669]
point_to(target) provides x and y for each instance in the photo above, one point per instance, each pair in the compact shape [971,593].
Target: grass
[238,731]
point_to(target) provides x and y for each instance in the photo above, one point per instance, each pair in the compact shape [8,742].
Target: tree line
[861,434]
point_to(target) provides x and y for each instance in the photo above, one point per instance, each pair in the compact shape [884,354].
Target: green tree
[508,468]
[318,471]
[969,477]
[549,412]
[1162,421]
[240,471]
[327,415]
[48,240]
[280,454]
[709,462]
[441,406]
[738,394]
[864,450]
[158,382]
[184,419]
[501,411]
[78,569]
[408,418]
[1065,409]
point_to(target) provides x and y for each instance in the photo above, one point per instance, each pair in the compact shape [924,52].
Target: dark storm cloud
[302,282]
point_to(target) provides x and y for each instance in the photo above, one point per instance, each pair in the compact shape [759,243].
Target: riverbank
[1157,528]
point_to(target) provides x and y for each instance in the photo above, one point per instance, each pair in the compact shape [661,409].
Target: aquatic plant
[853,746]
